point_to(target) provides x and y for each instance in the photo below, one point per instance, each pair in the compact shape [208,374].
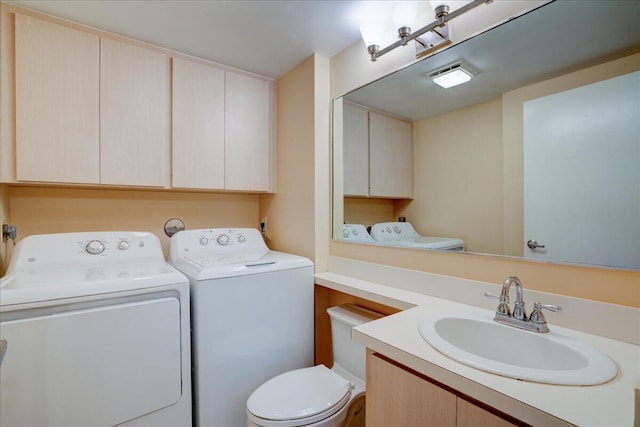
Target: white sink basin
[551,358]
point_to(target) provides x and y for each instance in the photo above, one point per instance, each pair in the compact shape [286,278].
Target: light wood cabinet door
[57,103]
[248,133]
[391,157]
[355,150]
[134,103]
[470,415]
[396,397]
[197,125]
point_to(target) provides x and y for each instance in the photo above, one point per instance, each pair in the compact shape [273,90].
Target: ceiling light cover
[450,76]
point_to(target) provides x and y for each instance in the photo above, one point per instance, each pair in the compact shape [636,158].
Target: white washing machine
[96,327]
[252,317]
[403,234]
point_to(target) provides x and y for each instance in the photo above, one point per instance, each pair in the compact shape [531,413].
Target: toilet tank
[349,354]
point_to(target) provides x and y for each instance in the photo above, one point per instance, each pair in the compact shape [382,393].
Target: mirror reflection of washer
[97,333]
[252,317]
[403,234]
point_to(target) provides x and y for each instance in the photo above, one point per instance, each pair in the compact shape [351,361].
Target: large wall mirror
[537,156]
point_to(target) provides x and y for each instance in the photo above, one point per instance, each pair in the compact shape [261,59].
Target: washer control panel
[391,231]
[218,241]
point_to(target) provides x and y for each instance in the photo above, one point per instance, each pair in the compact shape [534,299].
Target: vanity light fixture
[451,75]
[428,38]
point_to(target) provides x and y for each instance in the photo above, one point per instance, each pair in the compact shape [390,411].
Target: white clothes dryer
[252,317]
[96,327]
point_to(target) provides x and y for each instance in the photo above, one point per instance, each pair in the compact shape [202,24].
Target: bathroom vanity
[410,381]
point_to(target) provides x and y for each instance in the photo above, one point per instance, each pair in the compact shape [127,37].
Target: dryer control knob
[223,239]
[123,245]
[94,247]
[241,238]
[204,241]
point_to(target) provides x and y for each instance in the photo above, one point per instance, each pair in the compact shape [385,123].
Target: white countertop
[397,337]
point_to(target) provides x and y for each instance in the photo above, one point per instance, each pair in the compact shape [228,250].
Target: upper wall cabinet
[198,126]
[134,104]
[249,133]
[390,157]
[378,154]
[356,150]
[57,103]
[92,109]
[222,129]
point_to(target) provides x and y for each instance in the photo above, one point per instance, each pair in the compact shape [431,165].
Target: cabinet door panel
[470,415]
[198,126]
[356,151]
[134,102]
[248,133]
[395,397]
[57,103]
[391,154]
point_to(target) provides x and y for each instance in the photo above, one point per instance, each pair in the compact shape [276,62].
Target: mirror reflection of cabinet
[378,154]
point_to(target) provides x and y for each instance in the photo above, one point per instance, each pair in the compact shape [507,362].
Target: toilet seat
[299,397]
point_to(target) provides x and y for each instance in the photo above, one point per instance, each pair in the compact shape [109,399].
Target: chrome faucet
[536,322]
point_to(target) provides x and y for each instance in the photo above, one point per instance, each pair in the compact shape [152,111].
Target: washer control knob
[355,232]
[94,247]
[204,241]
[123,245]
[345,233]
[223,239]
[397,229]
[241,238]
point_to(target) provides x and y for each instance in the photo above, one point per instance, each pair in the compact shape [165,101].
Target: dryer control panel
[89,247]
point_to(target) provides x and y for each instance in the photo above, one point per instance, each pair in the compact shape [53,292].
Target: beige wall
[297,217]
[42,210]
[351,69]
[458,176]
[368,211]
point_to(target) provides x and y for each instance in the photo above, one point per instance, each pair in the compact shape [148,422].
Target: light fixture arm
[442,19]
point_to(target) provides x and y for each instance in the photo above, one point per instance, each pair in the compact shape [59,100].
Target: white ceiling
[266,37]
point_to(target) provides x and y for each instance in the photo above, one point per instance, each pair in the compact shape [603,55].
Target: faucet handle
[503,307]
[550,307]
[536,314]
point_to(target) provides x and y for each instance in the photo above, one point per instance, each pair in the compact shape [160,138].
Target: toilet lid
[301,393]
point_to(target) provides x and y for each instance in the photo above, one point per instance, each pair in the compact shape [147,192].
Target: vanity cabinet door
[396,397]
[134,114]
[470,415]
[57,103]
[391,157]
[249,133]
[356,150]
[198,126]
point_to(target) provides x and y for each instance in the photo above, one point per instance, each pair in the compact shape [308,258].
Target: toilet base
[355,414]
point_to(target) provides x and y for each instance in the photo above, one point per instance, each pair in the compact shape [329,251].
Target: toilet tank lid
[353,315]
[297,394]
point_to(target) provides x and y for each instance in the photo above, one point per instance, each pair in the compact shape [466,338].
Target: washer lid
[302,393]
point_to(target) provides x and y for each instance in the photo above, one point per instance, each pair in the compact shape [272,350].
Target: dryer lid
[302,393]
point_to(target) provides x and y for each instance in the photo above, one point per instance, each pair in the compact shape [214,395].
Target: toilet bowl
[319,396]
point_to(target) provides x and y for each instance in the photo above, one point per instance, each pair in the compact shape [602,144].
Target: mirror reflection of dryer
[356,233]
[403,234]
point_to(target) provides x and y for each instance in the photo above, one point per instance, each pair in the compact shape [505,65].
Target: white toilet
[318,396]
